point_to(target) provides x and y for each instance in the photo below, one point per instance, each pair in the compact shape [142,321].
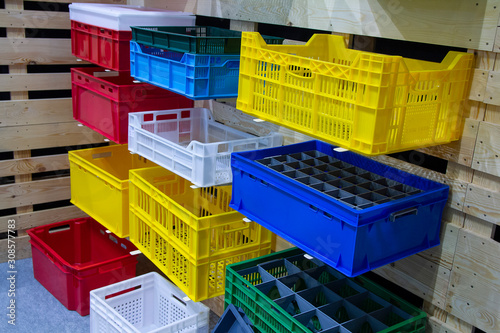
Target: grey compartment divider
[317,170]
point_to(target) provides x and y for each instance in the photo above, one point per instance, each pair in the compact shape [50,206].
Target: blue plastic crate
[233,321]
[192,75]
[351,212]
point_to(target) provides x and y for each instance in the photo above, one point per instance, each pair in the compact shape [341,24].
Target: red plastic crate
[102,100]
[104,47]
[73,257]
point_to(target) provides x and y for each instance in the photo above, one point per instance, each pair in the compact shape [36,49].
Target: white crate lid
[122,17]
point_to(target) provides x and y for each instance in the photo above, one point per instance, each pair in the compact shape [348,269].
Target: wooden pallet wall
[32,173]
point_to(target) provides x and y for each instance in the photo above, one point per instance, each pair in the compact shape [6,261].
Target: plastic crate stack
[179,212]
[349,213]
[198,62]
[104,96]
[345,209]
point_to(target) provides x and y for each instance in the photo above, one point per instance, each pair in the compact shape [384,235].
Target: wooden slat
[419,276]
[444,253]
[487,152]
[47,135]
[492,87]
[34,192]
[492,114]
[216,304]
[477,305]
[36,51]
[23,248]
[34,219]
[483,203]
[37,19]
[476,110]
[478,85]
[479,226]
[466,25]
[33,164]
[35,111]
[27,82]
[460,151]
[478,256]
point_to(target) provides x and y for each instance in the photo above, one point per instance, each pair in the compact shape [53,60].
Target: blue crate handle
[402,213]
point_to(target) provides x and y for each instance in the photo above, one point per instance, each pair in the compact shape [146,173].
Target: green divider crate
[290,291]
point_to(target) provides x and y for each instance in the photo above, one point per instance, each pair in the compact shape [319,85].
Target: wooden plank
[468,24]
[30,82]
[34,219]
[487,152]
[229,115]
[444,253]
[35,111]
[419,276]
[483,203]
[492,114]
[478,226]
[453,324]
[34,192]
[492,87]
[36,51]
[484,59]
[29,165]
[475,110]
[478,256]
[474,300]
[23,248]
[478,85]
[47,135]
[216,304]
[460,151]
[10,18]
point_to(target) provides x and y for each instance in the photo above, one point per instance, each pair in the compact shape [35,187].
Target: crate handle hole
[102,155]
[314,208]
[103,87]
[59,228]
[123,245]
[110,90]
[122,292]
[113,239]
[179,300]
[403,213]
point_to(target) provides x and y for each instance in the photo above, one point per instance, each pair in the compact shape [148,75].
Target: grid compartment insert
[351,185]
[331,302]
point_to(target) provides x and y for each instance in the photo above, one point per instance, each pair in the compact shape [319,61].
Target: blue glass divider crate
[195,76]
[351,212]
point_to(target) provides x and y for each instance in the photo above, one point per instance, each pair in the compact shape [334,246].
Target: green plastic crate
[198,39]
[289,291]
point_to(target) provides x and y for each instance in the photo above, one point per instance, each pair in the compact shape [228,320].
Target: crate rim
[134,172]
[74,157]
[44,247]
[277,182]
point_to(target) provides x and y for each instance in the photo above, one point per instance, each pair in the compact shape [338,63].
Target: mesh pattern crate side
[381,103]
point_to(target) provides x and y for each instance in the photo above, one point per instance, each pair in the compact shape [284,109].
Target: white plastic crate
[191,143]
[147,303]
[122,17]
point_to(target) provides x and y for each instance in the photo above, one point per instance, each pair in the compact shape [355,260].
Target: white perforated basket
[191,143]
[147,303]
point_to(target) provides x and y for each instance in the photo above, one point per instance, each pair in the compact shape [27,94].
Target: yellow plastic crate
[190,234]
[366,102]
[99,184]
